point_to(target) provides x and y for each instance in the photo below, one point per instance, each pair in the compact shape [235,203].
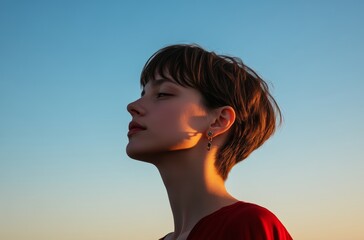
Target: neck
[194,190]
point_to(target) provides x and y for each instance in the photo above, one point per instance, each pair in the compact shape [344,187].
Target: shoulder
[251,211]
[240,221]
[255,222]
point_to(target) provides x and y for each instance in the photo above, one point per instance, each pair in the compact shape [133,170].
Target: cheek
[195,118]
[185,119]
[183,123]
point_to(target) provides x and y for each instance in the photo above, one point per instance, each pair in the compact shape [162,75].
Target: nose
[134,108]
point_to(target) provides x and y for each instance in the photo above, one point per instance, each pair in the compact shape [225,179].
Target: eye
[161,94]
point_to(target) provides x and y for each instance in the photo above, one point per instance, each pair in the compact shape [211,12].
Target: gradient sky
[69,68]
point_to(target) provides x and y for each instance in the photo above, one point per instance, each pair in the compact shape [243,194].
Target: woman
[199,114]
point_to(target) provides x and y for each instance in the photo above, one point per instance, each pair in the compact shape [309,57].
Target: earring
[209,137]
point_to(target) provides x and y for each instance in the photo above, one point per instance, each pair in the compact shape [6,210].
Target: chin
[140,155]
[151,152]
[132,153]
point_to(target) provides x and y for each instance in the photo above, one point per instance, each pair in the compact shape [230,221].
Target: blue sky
[69,68]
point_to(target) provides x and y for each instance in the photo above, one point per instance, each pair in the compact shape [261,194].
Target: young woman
[198,115]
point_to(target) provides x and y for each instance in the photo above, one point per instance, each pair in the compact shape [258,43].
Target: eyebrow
[158,82]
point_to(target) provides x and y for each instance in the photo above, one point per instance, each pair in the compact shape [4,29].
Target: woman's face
[167,118]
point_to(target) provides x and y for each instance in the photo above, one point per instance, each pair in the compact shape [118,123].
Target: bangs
[172,62]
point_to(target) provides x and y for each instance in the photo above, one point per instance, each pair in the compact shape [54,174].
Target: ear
[224,118]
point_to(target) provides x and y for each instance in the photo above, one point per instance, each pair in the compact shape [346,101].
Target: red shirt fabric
[240,220]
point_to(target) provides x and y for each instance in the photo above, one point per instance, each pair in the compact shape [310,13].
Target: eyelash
[161,94]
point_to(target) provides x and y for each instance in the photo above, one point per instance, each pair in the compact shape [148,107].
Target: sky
[69,68]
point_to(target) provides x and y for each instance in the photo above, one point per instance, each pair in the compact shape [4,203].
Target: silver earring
[209,137]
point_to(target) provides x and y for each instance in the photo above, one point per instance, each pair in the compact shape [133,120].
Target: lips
[134,128]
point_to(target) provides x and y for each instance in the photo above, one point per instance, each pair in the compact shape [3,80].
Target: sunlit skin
[169,129]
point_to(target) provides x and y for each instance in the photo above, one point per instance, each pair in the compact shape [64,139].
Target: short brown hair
[223,81]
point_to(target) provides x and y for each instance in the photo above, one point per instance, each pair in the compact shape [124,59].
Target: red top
[240,221]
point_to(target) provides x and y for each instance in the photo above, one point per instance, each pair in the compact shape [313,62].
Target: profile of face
[166,118]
